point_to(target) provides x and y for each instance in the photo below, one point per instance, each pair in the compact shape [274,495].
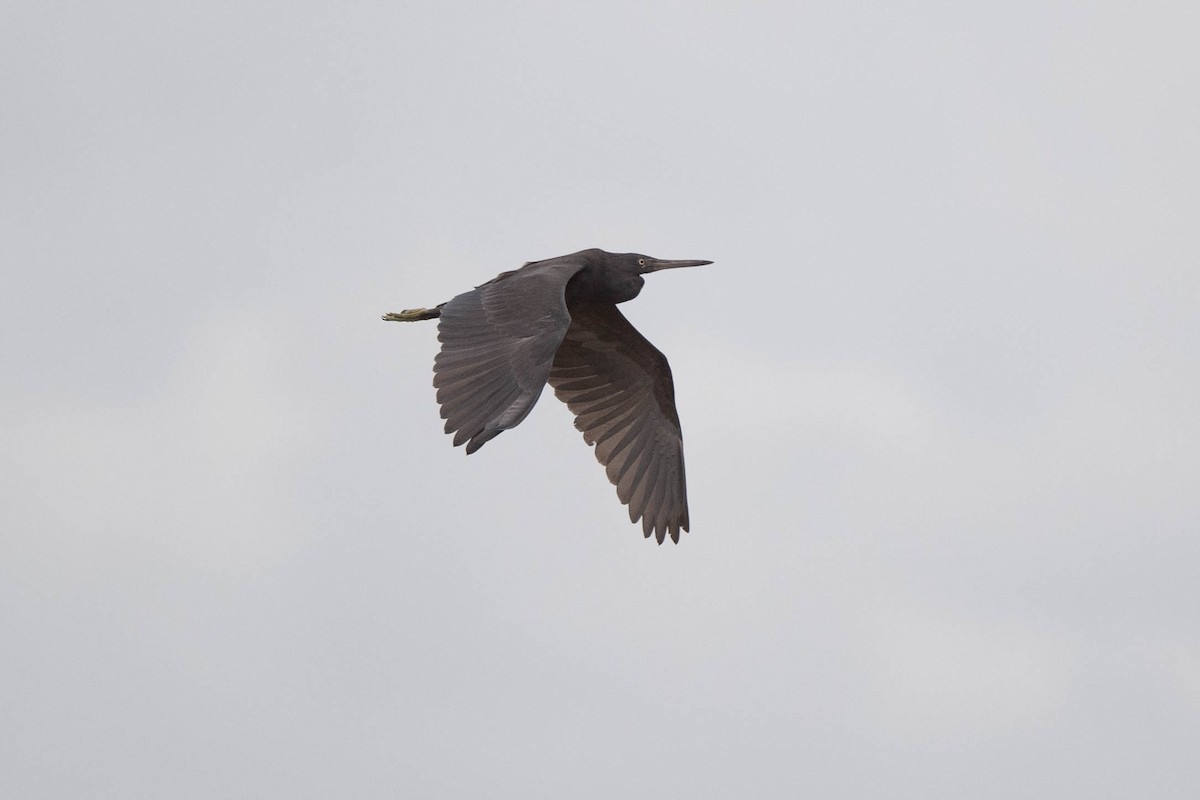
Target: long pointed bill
[655,264]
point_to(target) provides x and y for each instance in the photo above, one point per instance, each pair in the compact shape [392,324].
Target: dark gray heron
[557,320]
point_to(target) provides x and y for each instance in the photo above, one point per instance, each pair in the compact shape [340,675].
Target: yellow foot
[413,315]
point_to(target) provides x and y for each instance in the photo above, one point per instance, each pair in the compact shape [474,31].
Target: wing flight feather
[619,388]
[498,343]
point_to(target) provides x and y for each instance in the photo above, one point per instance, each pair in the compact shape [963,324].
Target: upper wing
[619,387]
[497,345]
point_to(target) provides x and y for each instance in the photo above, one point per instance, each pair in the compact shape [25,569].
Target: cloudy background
[939,390]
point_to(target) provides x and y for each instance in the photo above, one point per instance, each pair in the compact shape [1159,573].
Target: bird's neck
[599,285]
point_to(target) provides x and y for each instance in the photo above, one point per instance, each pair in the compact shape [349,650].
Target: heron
[557,321]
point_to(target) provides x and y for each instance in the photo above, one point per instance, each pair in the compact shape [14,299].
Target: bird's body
[556,321]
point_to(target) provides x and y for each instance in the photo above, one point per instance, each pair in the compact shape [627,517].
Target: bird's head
[649,264]
[616,277]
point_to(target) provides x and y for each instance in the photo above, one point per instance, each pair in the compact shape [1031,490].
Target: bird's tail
[414,314]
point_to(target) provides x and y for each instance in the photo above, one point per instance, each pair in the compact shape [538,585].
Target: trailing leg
[414,314]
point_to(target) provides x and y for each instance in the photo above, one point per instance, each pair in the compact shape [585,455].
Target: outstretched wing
[619,388]
[498,342]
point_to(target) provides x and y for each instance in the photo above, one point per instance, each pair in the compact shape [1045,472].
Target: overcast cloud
[939,393]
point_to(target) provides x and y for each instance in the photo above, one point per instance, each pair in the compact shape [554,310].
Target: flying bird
[557,321]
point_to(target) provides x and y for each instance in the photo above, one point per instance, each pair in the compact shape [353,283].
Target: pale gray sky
[939,392]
